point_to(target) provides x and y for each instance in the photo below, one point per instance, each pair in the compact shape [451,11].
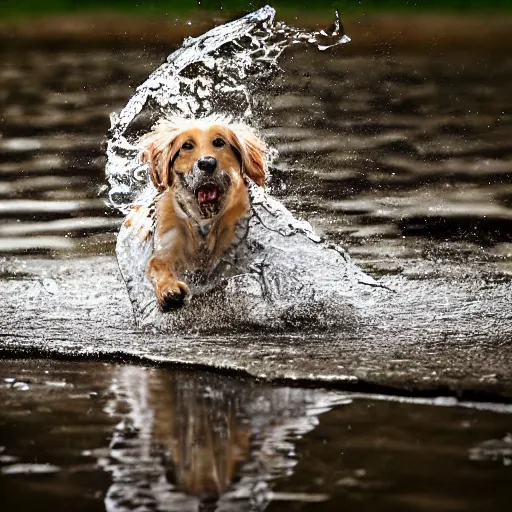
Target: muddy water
[83,436]
[405,158]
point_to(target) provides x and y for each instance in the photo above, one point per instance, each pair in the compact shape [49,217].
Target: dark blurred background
[397,144]
[29,7]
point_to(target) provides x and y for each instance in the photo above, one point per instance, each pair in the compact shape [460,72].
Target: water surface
[90,435]
[400,154]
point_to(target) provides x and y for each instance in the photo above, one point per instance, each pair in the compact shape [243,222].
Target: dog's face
[205,167]
[204,163]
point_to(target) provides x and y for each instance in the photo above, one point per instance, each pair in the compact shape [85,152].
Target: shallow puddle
[85,436]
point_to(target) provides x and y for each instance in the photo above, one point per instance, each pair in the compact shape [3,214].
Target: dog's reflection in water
[202,431]
[195,439]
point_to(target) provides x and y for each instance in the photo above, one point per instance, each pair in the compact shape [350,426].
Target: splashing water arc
[216,73]
[265,279]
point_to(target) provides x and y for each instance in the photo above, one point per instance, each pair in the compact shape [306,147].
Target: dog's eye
[218,142]
[187,145]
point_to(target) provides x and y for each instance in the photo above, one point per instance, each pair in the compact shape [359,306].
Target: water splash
[216,73]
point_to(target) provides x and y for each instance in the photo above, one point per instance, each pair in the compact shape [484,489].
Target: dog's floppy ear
[253,152]
[158,151]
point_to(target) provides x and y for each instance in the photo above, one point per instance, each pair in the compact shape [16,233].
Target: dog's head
[205,161]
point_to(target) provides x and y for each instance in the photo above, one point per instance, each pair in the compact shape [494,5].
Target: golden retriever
[201,170]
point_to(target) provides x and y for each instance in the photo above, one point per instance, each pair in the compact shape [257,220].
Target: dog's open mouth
[208,199]
[208,193]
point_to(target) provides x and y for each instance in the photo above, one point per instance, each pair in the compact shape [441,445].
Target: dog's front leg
[170,292]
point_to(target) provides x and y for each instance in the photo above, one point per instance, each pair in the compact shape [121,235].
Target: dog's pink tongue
[201,195]
[207,194]
[212,194]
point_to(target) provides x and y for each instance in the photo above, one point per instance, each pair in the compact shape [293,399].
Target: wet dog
[201,170]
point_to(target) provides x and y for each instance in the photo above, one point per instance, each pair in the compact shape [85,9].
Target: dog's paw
[172,296]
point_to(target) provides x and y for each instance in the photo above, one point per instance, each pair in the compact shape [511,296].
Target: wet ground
[404,156]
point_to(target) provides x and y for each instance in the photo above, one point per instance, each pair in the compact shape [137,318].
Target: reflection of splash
[186,441]
[216,73]
[138,467]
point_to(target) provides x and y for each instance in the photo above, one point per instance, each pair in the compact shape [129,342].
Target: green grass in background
[10,8]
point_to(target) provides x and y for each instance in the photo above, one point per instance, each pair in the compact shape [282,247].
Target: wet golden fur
[186,237]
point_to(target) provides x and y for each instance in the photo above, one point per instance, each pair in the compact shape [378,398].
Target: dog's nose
[207,164]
